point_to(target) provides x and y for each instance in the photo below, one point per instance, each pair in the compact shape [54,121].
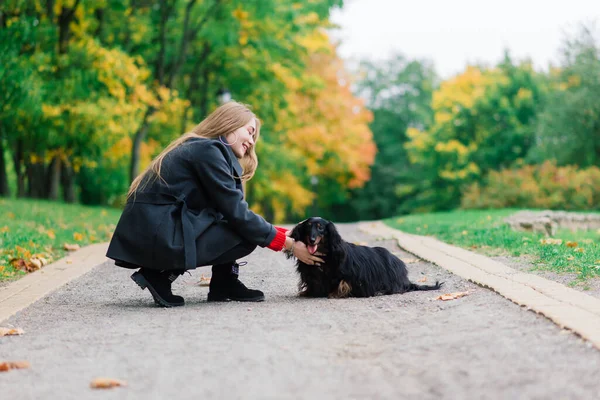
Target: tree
[483,120]
[569,127]
[398,92]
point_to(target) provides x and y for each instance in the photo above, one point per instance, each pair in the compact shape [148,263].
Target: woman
[187,210]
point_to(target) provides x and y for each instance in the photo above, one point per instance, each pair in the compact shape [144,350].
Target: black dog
[349,270]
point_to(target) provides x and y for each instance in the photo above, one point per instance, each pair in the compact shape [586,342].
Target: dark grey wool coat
[196,216]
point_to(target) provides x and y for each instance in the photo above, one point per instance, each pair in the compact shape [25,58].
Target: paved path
[391,347]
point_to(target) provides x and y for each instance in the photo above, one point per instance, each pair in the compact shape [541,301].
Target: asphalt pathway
[389,347]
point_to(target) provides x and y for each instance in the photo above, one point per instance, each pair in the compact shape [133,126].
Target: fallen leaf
[106,383]
[8,365]
[579,250]
[18,263]
[451,296]
[78,237]
[423,279]
[465,232]
[71,247]
[69,261]
[204,281]
[551,241]
[571,244]
[4,229]
[570,258]
[51,234]
[11,331]
[37,263]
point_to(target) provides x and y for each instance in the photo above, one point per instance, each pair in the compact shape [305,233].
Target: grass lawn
[36,228]
[486,233]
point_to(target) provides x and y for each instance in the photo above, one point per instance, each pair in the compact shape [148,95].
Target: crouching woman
[187,210]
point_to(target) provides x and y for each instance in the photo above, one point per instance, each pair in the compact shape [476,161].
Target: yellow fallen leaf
[69,261]
[451,296]
[8,365]
[551,241]
[51,234]
[78,237]
[11,331]
[204,281]
[106,383]
[571,244]
[4,229]
[10,215]
[71,247]
[424,279]
[35,262]
[579,250]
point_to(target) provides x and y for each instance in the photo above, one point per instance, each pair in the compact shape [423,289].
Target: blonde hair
[224,120]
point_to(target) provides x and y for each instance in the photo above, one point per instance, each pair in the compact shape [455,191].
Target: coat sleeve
[214,173]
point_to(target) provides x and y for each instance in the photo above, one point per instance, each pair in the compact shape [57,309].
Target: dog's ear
[335,243]
[297,232]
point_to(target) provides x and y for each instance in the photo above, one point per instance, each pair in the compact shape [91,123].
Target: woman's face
[242,139]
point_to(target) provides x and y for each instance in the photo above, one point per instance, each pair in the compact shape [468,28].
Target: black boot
[159,285]
[225,285]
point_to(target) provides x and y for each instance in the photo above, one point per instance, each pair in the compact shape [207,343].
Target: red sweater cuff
[280,229]
[278,240]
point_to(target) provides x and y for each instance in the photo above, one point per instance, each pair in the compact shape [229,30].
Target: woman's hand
[301,253]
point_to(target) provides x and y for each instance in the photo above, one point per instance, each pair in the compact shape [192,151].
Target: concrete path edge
[22,293]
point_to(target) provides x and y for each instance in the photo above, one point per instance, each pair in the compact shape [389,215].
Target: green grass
[30,228]
[485,232]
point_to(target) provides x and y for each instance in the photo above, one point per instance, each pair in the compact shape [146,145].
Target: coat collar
[234,160]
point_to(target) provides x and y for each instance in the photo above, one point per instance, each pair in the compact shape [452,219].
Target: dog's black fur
[349,270]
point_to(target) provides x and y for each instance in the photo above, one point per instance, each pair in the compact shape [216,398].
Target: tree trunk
[99,13]
[138,139]
[54,178]
[50,9]
[36,179]
[4,190]
[18,161]
[203,106]
[165,13]
[68,182]
[64,31]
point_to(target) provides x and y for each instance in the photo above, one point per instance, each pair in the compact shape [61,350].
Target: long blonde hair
[221,122]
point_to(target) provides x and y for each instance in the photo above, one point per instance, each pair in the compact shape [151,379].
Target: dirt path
[390,347]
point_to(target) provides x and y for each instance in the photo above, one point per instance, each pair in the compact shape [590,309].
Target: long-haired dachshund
[349,270]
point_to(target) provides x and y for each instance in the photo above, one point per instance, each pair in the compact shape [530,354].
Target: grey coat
[196,216]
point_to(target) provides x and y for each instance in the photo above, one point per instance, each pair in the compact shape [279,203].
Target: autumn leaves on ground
[34,233]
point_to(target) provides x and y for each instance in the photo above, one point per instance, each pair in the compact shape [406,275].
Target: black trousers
[220,246]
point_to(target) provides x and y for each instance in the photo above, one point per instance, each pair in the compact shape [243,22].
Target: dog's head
[318,234]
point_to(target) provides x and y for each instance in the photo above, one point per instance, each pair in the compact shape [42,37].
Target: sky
[453,33]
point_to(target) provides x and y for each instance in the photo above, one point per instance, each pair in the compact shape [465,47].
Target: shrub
[537,186]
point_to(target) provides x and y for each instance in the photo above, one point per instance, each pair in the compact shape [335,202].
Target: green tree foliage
[569,126]
[92,90]
[399,93]
[483,120]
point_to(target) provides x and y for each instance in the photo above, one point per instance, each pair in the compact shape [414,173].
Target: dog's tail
[414,286]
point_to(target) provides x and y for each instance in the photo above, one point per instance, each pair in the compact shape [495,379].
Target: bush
[537,186]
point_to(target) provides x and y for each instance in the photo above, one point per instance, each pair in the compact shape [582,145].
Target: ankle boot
[225,285]
[159,285]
